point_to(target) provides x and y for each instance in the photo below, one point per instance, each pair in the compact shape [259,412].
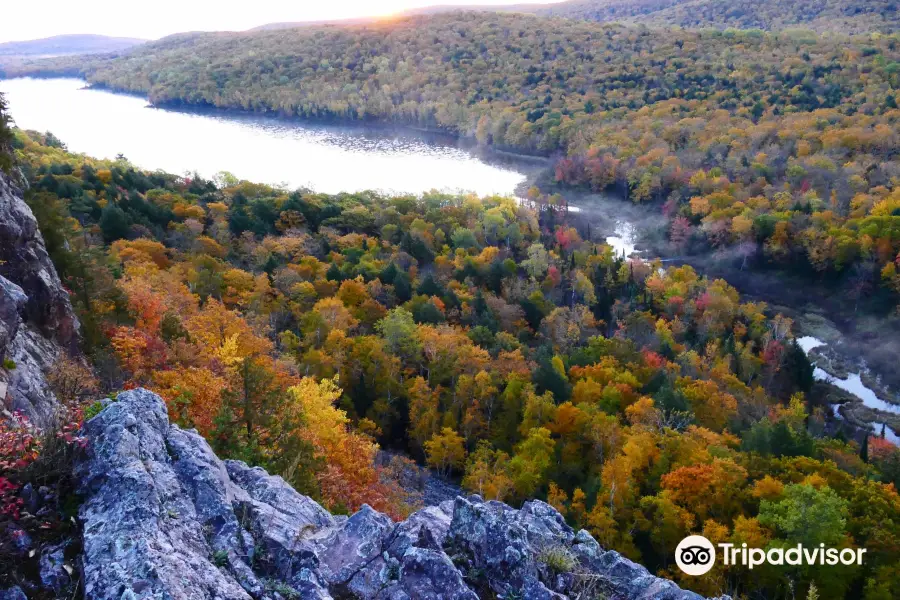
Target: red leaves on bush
[20,446]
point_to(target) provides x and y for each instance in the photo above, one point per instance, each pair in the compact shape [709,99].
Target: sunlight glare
[30,20]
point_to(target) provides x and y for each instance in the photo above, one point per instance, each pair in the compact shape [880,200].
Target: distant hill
[61,45]
[425,10]
[295,24]
[608,10]
[844,16]
[442,8]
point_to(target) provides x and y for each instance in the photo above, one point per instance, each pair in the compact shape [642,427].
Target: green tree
[807,515]
[463,238]
[531,464]
[398,329]
[402,287]
[113,223]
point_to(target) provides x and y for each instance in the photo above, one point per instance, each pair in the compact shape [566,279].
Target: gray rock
[277,520]
[37,322]
[163,517]
[12,307]
[32,498]
[143,533]
[25,262]
[431,575]
[21,541]
[625,580]
[492,540]
[13,593]
[52,569]
[209,488]
[33,355]
[344,550]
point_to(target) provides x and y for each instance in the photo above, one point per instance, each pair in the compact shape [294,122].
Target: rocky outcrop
[163,517]
[36,318]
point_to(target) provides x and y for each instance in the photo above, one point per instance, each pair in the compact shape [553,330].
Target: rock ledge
[165,518]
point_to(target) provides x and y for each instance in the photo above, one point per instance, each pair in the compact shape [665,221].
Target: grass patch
[558,559]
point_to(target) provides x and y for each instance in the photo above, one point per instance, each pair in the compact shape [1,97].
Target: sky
[26,20]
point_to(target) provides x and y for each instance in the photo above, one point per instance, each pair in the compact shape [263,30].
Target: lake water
[293,153]
[325,158]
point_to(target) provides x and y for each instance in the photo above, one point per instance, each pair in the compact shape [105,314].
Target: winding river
[854,385]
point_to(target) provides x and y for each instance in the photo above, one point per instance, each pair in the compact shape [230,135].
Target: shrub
[283,589]
[19,447]
[71,380]
[43,460]
[93,410]
[558,559]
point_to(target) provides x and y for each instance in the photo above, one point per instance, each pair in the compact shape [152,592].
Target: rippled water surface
[328,159]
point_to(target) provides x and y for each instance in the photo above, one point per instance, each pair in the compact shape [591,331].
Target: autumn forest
[489,339]
[783,143]
[482,337]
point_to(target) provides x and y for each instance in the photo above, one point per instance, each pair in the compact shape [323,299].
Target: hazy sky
[30,19]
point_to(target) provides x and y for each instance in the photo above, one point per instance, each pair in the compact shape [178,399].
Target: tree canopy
[776,146]
[289,328]
[825,16]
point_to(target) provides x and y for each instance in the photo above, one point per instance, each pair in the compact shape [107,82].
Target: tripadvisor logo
[696,555]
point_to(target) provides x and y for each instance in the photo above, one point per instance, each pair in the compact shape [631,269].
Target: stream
[854,385]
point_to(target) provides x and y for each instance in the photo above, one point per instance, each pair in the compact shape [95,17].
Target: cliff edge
[163,517]
[37,322]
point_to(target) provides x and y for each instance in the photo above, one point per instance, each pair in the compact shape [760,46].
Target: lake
[289,152]
[325,158]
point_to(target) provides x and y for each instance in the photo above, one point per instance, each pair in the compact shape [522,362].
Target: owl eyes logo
[695,555]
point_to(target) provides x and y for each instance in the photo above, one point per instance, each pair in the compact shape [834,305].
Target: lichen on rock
[163,517]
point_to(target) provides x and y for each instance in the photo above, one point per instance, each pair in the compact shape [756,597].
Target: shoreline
[459,140]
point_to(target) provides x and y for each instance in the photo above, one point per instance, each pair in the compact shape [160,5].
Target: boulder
[53,569]
[144,535]
[13,593]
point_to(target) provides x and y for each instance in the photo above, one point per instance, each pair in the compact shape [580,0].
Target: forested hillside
[782,146]
[68,44]
[825,16]
[485,338]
